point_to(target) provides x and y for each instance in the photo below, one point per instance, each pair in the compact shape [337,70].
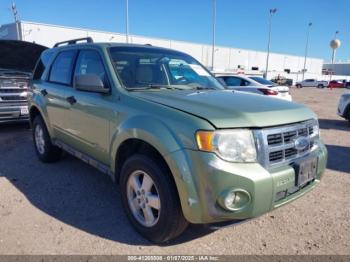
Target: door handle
[44,92]
[71,100]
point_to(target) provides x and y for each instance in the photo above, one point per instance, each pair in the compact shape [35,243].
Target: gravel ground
[70,208]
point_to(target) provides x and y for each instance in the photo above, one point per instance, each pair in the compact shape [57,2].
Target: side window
[233,81]
[42,65]
[245,83]
[61,70]
[90,63]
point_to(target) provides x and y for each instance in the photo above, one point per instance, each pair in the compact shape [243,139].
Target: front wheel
[150,199]
[320,86]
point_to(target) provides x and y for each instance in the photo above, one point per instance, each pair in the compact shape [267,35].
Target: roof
[125,45]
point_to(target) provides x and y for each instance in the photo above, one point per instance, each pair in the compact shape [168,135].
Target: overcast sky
[240,23]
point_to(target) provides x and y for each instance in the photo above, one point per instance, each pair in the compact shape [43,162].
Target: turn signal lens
[204,140]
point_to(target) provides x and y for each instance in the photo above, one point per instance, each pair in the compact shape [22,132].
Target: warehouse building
[227,59]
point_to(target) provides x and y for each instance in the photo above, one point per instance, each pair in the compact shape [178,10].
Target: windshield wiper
[155,86]
[204,88]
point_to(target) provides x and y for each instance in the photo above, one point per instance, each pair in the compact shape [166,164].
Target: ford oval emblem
[301,143]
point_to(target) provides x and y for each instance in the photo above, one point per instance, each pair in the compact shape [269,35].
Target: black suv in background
[17,61]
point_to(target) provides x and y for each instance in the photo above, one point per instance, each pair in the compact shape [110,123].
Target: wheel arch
[133,146]
[36,111]
[347,112]
[142,130]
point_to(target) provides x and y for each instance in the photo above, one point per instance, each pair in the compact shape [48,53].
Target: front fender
[170,145]
[148,129]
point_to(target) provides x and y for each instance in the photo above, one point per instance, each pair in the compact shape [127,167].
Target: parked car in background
[17,61]
[311,83]
[344,106]
[282,89]
[181,147]
[261,86]
[337,84]
[282,81]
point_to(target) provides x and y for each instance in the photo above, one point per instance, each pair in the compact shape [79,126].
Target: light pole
[214,35]
[127,20]
[15,15]
[306,48]
[272,12]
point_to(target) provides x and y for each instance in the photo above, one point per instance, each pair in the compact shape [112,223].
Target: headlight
[316,129]
[230,145]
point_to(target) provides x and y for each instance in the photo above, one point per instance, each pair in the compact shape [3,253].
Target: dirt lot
[70,208]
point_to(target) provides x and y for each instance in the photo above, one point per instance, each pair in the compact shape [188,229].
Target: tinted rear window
[42,64]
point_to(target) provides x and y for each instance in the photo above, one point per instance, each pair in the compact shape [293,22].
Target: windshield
[143,67]
[262,81]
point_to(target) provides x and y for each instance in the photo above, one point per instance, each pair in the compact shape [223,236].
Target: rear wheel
[150,199]
[44,148]
[347,114]
[320,86]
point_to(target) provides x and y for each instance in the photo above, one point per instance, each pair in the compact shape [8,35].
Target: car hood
[19,55]
[231,109]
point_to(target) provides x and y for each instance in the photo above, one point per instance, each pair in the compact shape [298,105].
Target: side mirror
[90,83]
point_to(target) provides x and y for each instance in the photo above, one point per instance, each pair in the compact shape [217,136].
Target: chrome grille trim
[276,146]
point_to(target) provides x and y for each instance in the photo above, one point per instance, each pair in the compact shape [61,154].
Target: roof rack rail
[75,41]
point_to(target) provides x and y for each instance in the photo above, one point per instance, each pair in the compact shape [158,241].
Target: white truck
[311,83]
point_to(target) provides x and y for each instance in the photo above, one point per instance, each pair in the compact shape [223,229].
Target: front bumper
[202,177]
[14,113]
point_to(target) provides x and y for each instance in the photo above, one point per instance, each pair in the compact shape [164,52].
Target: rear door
[58,83]
[87,121]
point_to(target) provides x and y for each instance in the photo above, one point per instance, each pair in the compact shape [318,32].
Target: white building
[227,59]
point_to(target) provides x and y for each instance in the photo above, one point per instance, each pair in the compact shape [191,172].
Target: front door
[88,119]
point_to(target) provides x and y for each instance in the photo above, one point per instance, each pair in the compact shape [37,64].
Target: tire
[347,114]
[299,86]
[320,86]
[168,222]
[44,148]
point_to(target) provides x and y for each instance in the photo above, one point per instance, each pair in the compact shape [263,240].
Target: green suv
[181,147]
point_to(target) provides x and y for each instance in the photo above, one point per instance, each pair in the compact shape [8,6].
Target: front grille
[274,156]
[274,139]
[12,98]
[290,152]
[13,83]
[289,136]
[12,90]
[278,144]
